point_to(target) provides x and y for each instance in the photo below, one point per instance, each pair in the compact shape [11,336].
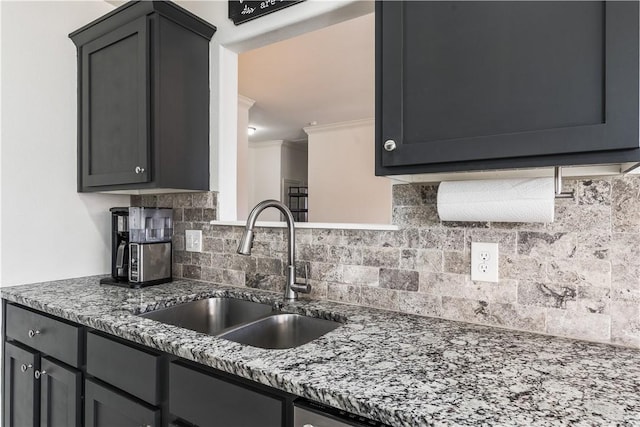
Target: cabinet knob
[308,425]
[33,332]
[139,170]
[24,367]
[37,374]
[389,145]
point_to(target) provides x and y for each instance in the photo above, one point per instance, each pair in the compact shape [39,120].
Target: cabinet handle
[389,145]
[37,374]
[139,170]
[24,367]
[33,332]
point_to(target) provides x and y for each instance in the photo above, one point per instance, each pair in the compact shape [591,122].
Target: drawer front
[107,408]
[302,418]
[204,400]
[127,368]
[52,337]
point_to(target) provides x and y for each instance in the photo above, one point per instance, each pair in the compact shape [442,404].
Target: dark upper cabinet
[143,99]
[115,98]
[495,85]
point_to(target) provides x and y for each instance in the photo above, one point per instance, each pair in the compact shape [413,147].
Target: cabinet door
[107,408]
[207,401]
[115,107]
[461,82]
[60,394]
[20,390]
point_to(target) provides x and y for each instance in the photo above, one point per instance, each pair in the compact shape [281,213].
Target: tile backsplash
[577,277]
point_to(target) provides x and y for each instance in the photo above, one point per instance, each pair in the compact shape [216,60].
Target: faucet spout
[246,243]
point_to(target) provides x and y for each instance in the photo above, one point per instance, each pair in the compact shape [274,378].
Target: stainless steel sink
[244,322]
[211,316]
[280,331]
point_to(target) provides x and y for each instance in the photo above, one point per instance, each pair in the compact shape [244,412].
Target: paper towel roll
[497,200]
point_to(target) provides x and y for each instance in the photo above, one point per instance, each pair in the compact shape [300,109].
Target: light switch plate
[193,240]
[484,262]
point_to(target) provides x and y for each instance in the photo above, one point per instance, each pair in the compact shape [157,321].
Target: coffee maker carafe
[140,246]
[119,246]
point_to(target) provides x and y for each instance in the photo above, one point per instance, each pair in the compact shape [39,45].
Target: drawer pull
[37,374]
[24,367]
[33,332]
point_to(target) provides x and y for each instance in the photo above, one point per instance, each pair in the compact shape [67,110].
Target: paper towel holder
[557,179]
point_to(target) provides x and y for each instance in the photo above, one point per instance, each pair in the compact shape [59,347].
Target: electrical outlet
[484,262]
[193,240]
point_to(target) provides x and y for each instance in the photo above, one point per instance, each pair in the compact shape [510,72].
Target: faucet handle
[305,287]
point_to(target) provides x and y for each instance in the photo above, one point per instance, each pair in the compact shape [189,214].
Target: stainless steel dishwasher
[312,414]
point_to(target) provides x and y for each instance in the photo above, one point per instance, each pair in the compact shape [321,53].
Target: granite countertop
[400,369]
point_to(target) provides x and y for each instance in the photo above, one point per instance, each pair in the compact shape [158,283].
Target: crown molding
[339,126]
[245,101]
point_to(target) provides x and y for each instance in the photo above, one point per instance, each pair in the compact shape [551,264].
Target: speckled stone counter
[400,369]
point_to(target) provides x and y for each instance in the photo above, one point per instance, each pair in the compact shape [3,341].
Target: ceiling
[325,76]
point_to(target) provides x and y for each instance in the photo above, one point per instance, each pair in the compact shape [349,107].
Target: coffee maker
[140,246]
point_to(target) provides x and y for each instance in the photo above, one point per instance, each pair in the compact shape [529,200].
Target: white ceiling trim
[351,124]
[245,102]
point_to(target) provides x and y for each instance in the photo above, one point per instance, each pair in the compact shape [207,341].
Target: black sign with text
[241,11]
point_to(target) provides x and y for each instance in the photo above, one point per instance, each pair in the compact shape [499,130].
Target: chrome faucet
[246,242]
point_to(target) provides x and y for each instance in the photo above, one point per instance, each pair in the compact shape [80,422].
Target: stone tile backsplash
[577,277]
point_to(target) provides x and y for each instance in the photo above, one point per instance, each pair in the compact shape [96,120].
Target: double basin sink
[245,322]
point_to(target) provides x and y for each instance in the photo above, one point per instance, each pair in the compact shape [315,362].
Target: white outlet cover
[193,240]
[484,262]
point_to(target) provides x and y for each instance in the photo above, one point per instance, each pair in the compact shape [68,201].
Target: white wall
[270,163]
[244,105]
[294,161]
[342,183]
[227,42]
[0,158]
[265,173]
[49,231]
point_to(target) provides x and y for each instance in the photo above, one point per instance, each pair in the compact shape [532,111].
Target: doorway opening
[310,103]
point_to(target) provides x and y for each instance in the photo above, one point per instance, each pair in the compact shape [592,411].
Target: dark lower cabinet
[60,395]
[20,389]
[105,407]
[56,338]
[111,361]
[39,390]
[120,383]
[208,401]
